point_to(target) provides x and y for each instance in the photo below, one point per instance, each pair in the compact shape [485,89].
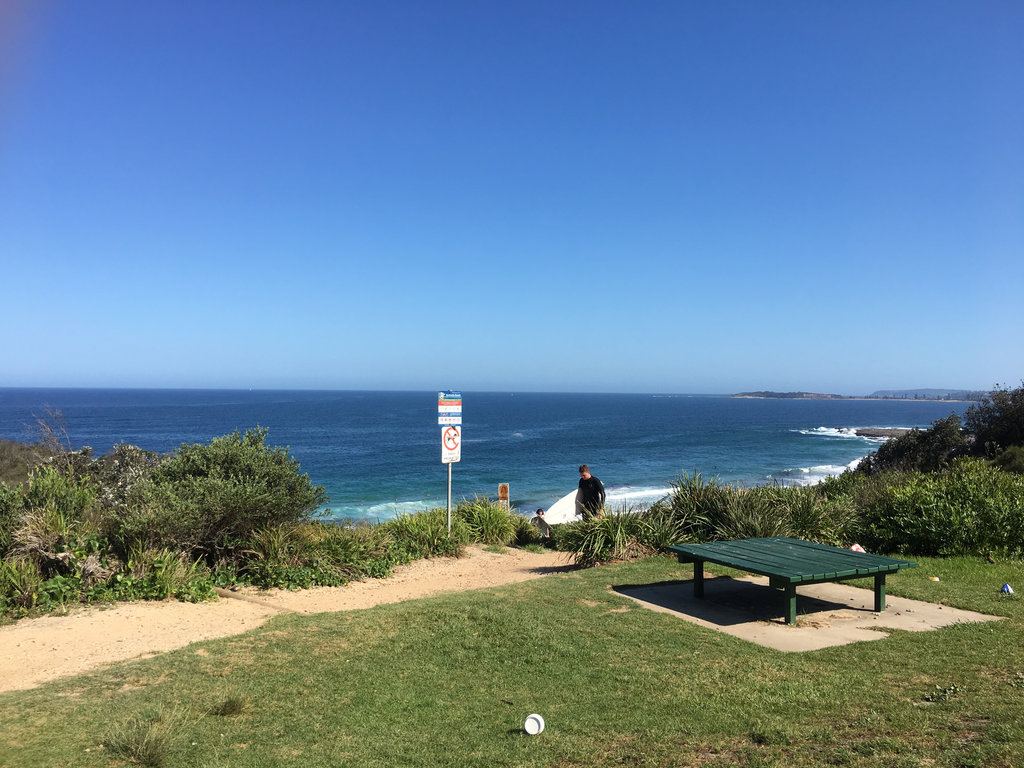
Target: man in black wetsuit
[590,496]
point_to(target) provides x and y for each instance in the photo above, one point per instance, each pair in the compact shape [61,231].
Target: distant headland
[881,394]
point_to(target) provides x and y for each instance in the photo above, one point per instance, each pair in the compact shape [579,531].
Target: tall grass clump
[425,534]
[526,533]
[317,553]
[616,535]
[821,517]
[705,510]
[487,522]
[147,740]
[358,550]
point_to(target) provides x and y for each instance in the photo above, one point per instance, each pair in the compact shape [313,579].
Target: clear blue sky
[572,196]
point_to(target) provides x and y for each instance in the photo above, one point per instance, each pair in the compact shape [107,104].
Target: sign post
[449,416]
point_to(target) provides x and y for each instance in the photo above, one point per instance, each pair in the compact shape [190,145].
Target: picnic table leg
[789,594]
[698,578]
[879,592]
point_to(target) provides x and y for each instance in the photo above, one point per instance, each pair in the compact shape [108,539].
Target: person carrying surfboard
[590,496]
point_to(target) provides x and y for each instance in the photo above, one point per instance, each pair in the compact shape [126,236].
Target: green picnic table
[788,563]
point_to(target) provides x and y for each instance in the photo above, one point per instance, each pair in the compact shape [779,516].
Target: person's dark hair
[540,511]
[584,468]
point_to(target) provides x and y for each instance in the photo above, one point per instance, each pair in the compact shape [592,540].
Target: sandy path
[35,651]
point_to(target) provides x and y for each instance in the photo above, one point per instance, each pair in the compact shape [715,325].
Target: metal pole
[449,497]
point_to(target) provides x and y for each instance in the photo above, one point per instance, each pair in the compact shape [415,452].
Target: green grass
[448,681]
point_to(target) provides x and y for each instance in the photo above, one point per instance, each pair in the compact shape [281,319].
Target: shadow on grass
[726,602]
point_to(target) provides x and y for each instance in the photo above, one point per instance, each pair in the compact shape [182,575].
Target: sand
[36,651]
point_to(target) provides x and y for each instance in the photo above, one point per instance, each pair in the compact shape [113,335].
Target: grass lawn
[448,681]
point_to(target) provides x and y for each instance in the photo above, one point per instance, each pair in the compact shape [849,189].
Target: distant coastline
[920,395]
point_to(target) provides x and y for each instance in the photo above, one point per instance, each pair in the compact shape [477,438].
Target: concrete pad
[827,614]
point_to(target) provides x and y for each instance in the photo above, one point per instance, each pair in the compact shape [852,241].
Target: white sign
[451,444]
[449,408]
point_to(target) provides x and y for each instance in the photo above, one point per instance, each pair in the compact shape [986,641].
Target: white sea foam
[387,510]
[846,433]
[626,495]
[814,475]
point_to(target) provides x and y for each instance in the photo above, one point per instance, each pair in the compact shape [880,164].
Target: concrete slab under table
[788,563]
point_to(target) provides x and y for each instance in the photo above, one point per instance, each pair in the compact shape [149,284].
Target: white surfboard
[563,510]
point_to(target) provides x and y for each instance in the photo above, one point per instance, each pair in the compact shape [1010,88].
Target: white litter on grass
[534,724]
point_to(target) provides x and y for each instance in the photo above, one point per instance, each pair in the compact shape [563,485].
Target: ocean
[378,454]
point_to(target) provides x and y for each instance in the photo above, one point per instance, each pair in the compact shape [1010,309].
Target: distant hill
[928,394]
[792,395]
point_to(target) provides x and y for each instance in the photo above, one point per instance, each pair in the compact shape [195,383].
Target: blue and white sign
[449,408]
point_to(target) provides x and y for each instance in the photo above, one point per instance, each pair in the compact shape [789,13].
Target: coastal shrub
[356,550]
[526,533]
[817,516]
[20,579]
[997,422]
[122,473]
[487,522]
[704,510]
[751,513]
[206,499]
[616,535]
[923,450]
[1011,460]
[159,574]
[662,528]
[57,528]
[16,461]
[425,534]
[693,503]
[278,556]
[68,497]
[971,508]
[298,556]
[11,507]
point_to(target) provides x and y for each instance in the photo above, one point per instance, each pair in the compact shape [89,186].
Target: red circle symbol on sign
[451,438]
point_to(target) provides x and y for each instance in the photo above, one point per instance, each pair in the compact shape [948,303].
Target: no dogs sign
[451,444]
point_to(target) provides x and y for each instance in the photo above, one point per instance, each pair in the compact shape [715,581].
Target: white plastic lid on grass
[534,724]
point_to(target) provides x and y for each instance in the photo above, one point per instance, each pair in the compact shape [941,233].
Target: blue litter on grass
[1007,589]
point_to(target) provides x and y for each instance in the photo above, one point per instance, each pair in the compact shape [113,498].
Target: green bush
[997,422]
[699,510]
[206,499]
[970,509]
[1011,460]
[925,450]
[661,528]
